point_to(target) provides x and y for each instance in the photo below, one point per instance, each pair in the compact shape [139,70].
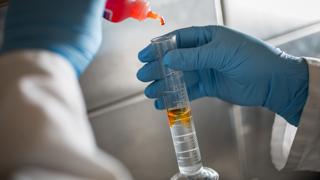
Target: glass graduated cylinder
[177,103]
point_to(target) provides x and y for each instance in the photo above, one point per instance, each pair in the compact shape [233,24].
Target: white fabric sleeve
[43,121]
[298,148]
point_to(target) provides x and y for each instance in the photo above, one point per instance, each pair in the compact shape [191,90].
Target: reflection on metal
[219,12]
[294,35]
[237,123]
[127,101]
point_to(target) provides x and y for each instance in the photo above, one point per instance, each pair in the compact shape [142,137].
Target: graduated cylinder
[177,103]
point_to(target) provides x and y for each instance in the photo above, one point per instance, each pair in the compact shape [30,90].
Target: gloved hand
[71,28]
[220,62]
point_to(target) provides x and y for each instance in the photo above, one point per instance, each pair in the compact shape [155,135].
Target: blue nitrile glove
[71,28]
[220,62]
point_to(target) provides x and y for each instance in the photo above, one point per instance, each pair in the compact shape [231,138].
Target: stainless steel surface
[269,18]
[219,12]
[256,131]
[240,131]
[308,46]
[137,132]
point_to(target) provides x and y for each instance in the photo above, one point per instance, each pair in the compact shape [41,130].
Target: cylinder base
[204,174]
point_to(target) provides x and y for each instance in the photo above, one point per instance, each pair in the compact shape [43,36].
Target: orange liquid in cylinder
[182,116]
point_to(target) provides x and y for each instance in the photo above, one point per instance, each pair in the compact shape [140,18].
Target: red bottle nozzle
[119,10]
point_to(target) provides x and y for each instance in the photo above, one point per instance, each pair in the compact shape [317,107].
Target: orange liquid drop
[154,15]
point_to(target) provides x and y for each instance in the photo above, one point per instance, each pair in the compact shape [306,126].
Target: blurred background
[235,141]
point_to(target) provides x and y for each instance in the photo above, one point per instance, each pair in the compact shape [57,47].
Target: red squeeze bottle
[119,10]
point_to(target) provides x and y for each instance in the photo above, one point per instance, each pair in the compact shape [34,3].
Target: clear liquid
[185,140]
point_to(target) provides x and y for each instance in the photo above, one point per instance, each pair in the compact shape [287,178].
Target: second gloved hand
[220,62]
[71,28]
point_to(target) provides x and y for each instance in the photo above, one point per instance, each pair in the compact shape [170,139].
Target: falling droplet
[154,15]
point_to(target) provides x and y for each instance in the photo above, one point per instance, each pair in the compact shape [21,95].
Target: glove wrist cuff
[294,111]
[290,89]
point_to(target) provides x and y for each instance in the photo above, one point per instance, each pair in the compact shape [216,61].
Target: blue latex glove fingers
[225,49]
[193,59]
[159,104]
[193,36]
[150,72]
[148,54]
[193,92]
[185,38]
[67,27]
[156,88]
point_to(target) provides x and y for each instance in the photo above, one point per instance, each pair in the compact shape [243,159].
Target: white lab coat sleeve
[44,129]
[298,148]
